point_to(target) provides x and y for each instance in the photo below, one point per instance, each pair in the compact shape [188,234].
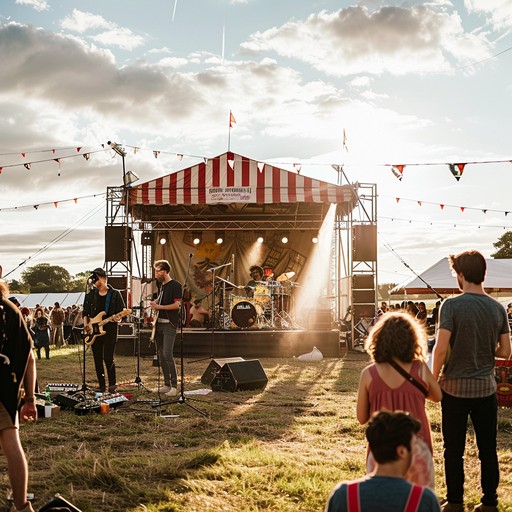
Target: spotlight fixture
[196,240]
[259,239]
[220,240]
[163,240]
[314,239]
[219,237]
[284,240]
[129,178]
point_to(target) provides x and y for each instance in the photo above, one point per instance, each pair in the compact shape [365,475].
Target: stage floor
[239,343]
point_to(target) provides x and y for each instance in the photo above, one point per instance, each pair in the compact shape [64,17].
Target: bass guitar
[97,324]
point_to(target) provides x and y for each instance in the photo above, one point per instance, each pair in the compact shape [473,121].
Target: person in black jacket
[17,367]
[103,299]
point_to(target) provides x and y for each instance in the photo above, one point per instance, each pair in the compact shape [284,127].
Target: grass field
[279,449]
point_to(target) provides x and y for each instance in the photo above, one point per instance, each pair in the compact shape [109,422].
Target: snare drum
[243,314]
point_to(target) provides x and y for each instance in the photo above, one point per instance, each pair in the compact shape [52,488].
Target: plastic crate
[504,382]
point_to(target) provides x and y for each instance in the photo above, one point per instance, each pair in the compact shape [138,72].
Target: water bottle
[47,396]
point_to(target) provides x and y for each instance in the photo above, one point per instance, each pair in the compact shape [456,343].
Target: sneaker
[112,389]
[163,389]
[452,507]
[172,392]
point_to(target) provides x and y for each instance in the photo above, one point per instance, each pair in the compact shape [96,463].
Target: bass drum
[244,314]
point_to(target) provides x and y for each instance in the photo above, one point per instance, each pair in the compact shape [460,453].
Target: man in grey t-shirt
[473,330]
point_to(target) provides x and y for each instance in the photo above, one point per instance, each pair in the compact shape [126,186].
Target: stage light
[259,240]
[284,240]
[219,236]
[129,178]
[220,240]
[315,239]
[163,240]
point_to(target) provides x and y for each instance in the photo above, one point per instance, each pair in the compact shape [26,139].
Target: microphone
[190,255]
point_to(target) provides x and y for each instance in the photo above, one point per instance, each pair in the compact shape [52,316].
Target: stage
[239,343]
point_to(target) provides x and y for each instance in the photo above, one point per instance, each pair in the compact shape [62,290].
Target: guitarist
[167,307]
[103,298]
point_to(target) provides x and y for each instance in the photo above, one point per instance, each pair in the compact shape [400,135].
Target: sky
[414,84]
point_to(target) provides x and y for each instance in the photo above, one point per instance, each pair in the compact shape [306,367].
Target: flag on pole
[232,119]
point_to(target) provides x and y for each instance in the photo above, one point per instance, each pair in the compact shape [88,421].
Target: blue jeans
[164,338]
[483,413]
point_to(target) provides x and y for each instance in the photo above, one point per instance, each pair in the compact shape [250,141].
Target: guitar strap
[107,301]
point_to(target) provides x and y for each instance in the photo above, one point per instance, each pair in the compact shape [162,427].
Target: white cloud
[38,5]
[499,12]
[357,40]
[111,35]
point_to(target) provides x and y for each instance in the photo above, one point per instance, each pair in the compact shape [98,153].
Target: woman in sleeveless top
[400,338]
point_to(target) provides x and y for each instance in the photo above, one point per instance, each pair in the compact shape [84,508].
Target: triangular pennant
[455,171]
[506,213]
[55,203]
[261,165]
[232,119]
[205,160]
[419,203]
[442,206]
[135,150]
[23,155]
[398,170]
[156,153]
[78,149]
[397,199]
[76,200]
[484,211]
[297,167]
[27,166]
[1,169]
[86,156]
[180,157]
[53,151]
[57,160]
[36,206]
[462,208]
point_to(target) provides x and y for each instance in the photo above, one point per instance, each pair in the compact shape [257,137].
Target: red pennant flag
[1,168]
[462,208]
[23,155]
[419,202]
[398,170]
[397,199]
[442,206]
[232,119]
[78,150]
[55,203]
[53,151]
[76,200]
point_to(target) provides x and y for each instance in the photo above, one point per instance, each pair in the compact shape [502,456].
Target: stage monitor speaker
[240,376]
[363,282]
[364,246]
[364,310]
[119,283]
[214,367]
[58,503]
[320,319]
[115,243]
[363,296]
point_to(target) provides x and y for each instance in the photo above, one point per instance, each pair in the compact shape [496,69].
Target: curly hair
[397,335]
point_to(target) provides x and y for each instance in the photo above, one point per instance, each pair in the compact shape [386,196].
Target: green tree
[504,246]
[46,278]
[78,282]
[16,286]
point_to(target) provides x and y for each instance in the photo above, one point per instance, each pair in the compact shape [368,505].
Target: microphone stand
[182,399]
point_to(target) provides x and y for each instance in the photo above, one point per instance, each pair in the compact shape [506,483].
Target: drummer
[256,277]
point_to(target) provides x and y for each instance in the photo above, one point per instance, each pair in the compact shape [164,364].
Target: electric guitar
[97,323]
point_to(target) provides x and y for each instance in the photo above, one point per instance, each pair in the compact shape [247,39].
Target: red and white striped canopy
[232,178]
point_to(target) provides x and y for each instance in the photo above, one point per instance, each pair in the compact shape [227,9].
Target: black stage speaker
[363,310]
[240,376]
[119,283]
[363,296]
[364,246]
[363,282]
[60,504]
[115,243]
[215,365]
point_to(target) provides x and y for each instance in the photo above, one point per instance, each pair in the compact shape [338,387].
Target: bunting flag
[420,203]
[345,147]
[156,153]
[457,170]
[397,199]
[58,161]
[53,151]
[55,203]
[27,166]
[442,206]
[398,170]
[462,209]
[135,150]
[179,156]
[297,167]
[23,155]
[78,149]
[86,156]
[232,119]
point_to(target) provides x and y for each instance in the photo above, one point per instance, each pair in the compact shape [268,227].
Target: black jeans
[483,413]
[103,350]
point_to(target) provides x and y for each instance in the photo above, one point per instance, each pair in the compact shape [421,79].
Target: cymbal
[285,276]
[226,282]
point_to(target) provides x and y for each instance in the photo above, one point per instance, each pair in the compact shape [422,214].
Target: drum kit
[266,305]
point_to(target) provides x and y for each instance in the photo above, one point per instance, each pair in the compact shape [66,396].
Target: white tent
[49,299]
[439,278]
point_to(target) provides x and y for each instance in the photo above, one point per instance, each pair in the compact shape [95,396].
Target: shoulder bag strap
[408,377]
[353,504]
[414,499]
